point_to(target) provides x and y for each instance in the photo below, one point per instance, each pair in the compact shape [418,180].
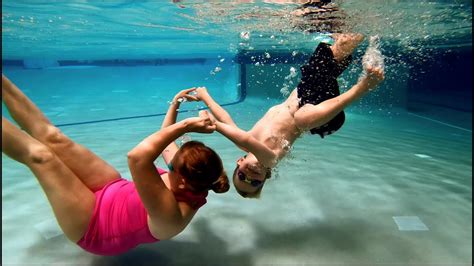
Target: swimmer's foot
[371,77]
[345,44]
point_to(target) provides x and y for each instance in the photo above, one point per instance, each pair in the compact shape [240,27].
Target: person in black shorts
[319,83]
[316,105]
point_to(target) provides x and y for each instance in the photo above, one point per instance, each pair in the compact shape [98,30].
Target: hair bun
[221,185]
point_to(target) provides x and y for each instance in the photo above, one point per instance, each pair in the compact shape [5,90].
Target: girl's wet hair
[202,167]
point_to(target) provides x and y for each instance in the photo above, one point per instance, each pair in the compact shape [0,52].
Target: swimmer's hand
[201,93]
[201,124]
[373,76]
[185,96]
[206,113]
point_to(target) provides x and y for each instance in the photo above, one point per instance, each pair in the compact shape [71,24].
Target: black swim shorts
[319,83]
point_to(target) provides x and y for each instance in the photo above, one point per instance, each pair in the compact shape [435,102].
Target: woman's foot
[344,45]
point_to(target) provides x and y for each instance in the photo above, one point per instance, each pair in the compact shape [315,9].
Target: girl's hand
[185,95]
[213,119]
[201,124]
[373,77]
[201,92]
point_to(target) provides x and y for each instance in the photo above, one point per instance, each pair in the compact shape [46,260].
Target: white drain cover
[410,223]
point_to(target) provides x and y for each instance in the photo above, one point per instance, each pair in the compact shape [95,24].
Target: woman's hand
[210,115]
[185,95]
[201,124]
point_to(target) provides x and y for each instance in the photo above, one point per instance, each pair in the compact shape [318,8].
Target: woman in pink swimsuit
[96,208]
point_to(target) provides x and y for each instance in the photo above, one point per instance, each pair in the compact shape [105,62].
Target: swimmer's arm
[160,203]
[170,119]
[247,142]
[219,113]
[158,200]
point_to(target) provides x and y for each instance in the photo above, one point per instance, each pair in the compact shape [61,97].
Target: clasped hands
[205,122]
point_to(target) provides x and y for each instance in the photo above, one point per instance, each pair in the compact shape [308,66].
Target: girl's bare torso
[277,128]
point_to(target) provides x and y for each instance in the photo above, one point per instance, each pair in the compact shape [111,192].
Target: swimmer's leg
[72,202]
[345,44]
[311,116]
[92,170]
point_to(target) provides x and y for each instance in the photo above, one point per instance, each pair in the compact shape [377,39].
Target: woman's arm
[170,119]
[158,200]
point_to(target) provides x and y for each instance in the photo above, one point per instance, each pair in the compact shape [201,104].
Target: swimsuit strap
[161,171]
[193,199]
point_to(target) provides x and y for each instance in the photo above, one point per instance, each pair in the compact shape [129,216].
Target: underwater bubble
[292,74]
[285,144]
[245,35]
[285,90]
[423,156]
[373,57]
[185,138]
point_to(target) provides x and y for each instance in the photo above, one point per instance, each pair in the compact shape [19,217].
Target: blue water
[104,72]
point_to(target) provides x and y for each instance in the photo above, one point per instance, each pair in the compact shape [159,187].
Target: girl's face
[250,174]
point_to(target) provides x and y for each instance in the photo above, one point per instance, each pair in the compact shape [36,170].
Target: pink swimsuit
[119,222]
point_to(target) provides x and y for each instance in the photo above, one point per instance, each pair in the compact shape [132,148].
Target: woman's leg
[92,170]
[72,202]
[312,116]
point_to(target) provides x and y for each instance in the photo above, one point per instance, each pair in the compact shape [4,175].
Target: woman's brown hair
[202,167]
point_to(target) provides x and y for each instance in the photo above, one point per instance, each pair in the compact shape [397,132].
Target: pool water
[392,186]
[333,200]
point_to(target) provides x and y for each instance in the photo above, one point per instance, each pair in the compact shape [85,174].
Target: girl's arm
[158,200]
[170,119]
[217,110]
[247,142]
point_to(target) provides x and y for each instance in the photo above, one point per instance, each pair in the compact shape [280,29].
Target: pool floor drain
[410,223]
